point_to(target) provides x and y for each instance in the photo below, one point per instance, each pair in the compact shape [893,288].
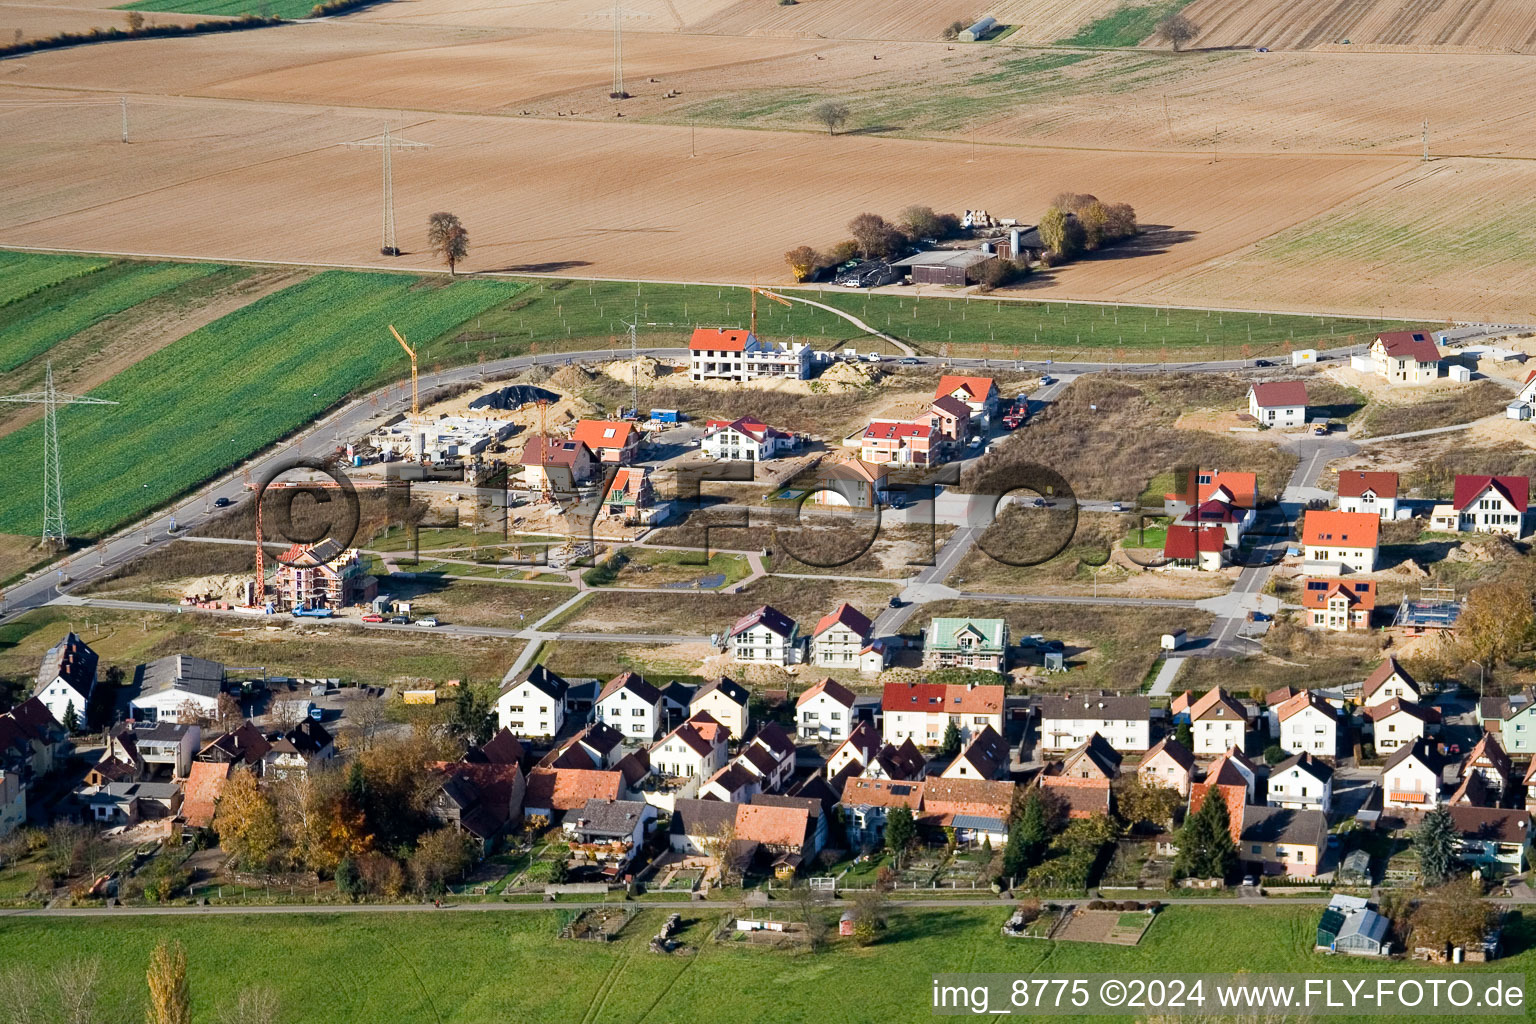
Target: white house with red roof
[1335,542]
[1308,725]
[899,442]
[765,636]
[720,353]
[615,441]
[1405,357]
[1338,605]
[850,483]
[1191,547]
[1398,721]
[631,705]
[694,750]
[922,712]
[1217,722]
[844,638]
[978,393]
[1280,403]
[1485,504]
[1375,493]
[825,712]
[744,440]
[1195,486]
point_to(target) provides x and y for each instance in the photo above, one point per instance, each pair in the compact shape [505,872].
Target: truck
[313,613]
[1017,414]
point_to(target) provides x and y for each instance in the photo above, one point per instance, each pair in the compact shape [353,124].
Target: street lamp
[1482,677]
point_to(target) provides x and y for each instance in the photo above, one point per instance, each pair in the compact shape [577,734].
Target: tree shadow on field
[547,267]
[873,129]
[1153,240]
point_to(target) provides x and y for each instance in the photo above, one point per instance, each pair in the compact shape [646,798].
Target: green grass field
[227,8]
[230,389]
[448,968]
[45,300]
[1127,25]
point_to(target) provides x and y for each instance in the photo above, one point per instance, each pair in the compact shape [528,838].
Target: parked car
[911,361]
[373,618]
[222,503]
[1118,506]
[1263,362]
[429,622]
[1046,380]
[873,357]
[399,620]
[975,442]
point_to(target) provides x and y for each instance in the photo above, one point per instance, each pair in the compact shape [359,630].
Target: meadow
[45,300]
[1126,25]
[231,388]
[227,8]
[445,968]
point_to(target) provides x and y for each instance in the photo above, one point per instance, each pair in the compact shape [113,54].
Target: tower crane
[756,291]
[415,398]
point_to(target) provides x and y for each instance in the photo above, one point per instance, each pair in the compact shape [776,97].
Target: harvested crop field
[1448,240]
[41,20]
[1038,21]
[1425,25]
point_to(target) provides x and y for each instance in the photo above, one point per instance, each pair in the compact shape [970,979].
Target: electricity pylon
[55,531]
[388,144]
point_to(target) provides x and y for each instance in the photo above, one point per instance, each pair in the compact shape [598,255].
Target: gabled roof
[34,719]
[305,740]
[1185,543]
[543,680]
[702,818]
[542,451]
[690,736]
[949,405]
[1354,484]
[771,737]
[1175,750]
[634,766]
[1360,594]
[772,825]
[767,615]
[503,748]
[72,660]
[635,683]
[1091,704]
[726,687]
[1217,703]
[565,789]
[903,762]
[859,791]
[1180,702]
[600,435]
[1514,489]
[832,688]
[942,631]
[987,752]
[1333,528]
[720,339]
[609,817]
[1095,749]
[204,786]
[847,615]
[981,797]
[749,426]
[977,388]
[937,698]
[1488,749]
[1422,751]
[1280,394]
[245,744]
[1386,709]
[1474,791]
[1383,672]
[1283,825]
[1303,700]
[892,430]
[1492,824]
[1242,486]
[1304,762]
[1416,345]
[733,777]
[183,673]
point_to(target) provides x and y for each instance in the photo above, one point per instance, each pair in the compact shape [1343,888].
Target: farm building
[979,31]
[1350,926]
[945,266]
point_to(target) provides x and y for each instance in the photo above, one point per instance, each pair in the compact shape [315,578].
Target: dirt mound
[1407,568]
[646,370]
[1494,548]
[841,378]
[221,587]
[571,379]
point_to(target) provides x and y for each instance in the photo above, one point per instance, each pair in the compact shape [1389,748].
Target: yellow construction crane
[756,291]
[415,398]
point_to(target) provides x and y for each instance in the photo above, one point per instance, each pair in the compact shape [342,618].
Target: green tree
[900,832]
[951,744]
[473,718]
[1185,734]
[1028,837]
[1206,849]
[71,717]
[1274,754]
[348,882]
[1435,842]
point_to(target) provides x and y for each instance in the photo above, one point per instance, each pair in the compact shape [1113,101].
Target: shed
[1363,364]
[1356,868]
[979,31]
[1517,411]
[1460,374]
[945,266]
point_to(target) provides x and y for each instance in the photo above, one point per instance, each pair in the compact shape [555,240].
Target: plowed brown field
[41,19]
[1439,25]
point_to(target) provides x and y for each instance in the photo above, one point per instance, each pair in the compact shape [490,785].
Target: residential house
[734,784]
[1338,605]
[126,803]
[966,643]
[1221,508]
[867,803]
[699,826]
[844,639]
[979,394]
[1372,493]
[1068,720]
[1488,759]
[323,575]
[1083,778]
[1308,724]
[985,757]
[1195,547]
[1530,784]
[817,813]
[1337,542]
[502,748]
[612,441]
[896,762]
[924,711]
[66,679]
[1412,777]
[32,742]
[951,418]
[1279,840]
[977,809]
[297,750]
[1513,718]
[1405,357]
[631,705]
[613,830]
[553,465]
[854,752]
[162,748]
[244,747]
[480,800]
[825,712]
[727,702]
[765,636]
[552,792]
[744,440]
[1493,838]
[781,832]
[1485,504]
[720,353]
[1218,722]
[1281,403]
[598,747]
[1398,722]
[1194,487]
[770,755]
[177,688]
[900,443]
[631,495]
[1168,764]
[1388,681]
[533,705]
[694,750]
[1301,782]
[1233,783]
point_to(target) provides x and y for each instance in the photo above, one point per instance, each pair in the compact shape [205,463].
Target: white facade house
[1301,783]
[1374,493]
[922,712]
[1398,723]
[67,678]
[177,688]
[765,636]
[1411,778]
[1388,681]
[694,750]
[631,705]
[1335,542]
[1217,723]
[1281,403]
[1308,725]
[533,706]
[727,702]
[717,353]
[1405,357]
[857,750]
[1125,723]
[842,638]
[825,712]
[1485,504]
[744,440]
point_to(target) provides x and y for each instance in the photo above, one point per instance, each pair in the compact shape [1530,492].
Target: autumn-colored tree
[1059,233]
[803,261]
[1497,622]
[170,1001]
[872,234]
[246,822]
[1177,29]
[1094,217]
[1139,801]
[1454,914]
[448,239]
[441,856]
[1121,221]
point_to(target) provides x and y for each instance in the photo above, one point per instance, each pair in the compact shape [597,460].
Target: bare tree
[77,982]
[832,113]
[256,1004]
[288,712]
[722,847]
[447,237]
[810,906]
[1177,29]
[365,717]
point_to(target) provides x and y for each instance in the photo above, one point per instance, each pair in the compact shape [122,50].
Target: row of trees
[874,237]
[1077,222]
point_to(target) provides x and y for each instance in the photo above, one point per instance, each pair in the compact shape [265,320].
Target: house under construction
[323,575]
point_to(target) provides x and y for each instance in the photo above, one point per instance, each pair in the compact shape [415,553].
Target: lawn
[227,8]
[229,389]
[446,968]
[651,567]
[1126,25]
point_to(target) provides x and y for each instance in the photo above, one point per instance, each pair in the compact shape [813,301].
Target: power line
[387,144]
[618,16]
